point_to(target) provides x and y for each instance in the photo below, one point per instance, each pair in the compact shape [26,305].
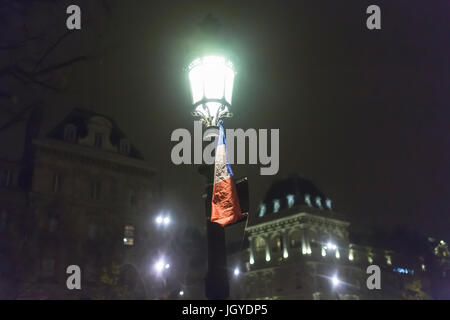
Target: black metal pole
[216,280]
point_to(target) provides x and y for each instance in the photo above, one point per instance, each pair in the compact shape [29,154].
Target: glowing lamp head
[236,272]
[211,80]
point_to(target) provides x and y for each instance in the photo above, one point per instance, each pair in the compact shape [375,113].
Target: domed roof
[291,192]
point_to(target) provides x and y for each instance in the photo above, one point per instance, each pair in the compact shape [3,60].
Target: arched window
[290,200]
[262,210]
[132,197]
[260,244]
[328,203]
[308,200]
[319,202]
[124,147]
[70,133]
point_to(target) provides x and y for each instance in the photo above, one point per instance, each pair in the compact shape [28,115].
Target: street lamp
[211,78]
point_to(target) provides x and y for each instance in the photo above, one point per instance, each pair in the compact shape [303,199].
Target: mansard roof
[292,195]
[80,117]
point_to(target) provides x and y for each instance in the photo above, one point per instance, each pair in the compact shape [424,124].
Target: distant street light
[335,281]
[162,220]
[181,293]
[160,265]
[236,272]
[331,246]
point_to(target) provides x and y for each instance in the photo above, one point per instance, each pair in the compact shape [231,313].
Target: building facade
[77,198]
[299,247]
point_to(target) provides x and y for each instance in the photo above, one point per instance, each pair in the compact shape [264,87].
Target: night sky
[363,114]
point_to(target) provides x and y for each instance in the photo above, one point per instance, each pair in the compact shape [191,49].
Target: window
[92,231]
[388,260]
[70,133]
[132,197]
[262,209]
[276,205]
[124,146]
[47,268]
[319,202]
[278,244]
[56,182]
[128,238]
[328,203]
[351,255]
[98,140]
[5,178]
[260,244]
[95,190]
[290,200]
[308,200]
[3,219]
[295,243]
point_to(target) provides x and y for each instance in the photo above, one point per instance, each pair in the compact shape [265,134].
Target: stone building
[77,198]
[299,247]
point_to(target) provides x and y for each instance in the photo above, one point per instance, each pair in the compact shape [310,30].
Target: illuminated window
[308,199]
[388,260]
[128,239]
[262,209]
[319,202]
[351,256]
[132,197]
[290,200]
[328,203]
[276,205]
[278,244]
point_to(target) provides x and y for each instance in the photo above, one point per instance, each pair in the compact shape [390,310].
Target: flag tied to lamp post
[225,202]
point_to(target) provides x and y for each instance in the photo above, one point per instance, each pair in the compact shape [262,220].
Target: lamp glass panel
[211,77]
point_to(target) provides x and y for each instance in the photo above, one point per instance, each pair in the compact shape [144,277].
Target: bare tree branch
[19,116]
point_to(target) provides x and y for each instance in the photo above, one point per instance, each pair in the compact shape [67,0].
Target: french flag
[225,202]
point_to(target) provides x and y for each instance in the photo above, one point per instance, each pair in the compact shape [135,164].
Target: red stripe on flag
[225,203]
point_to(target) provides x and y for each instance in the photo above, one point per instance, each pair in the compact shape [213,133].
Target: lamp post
[211,78]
